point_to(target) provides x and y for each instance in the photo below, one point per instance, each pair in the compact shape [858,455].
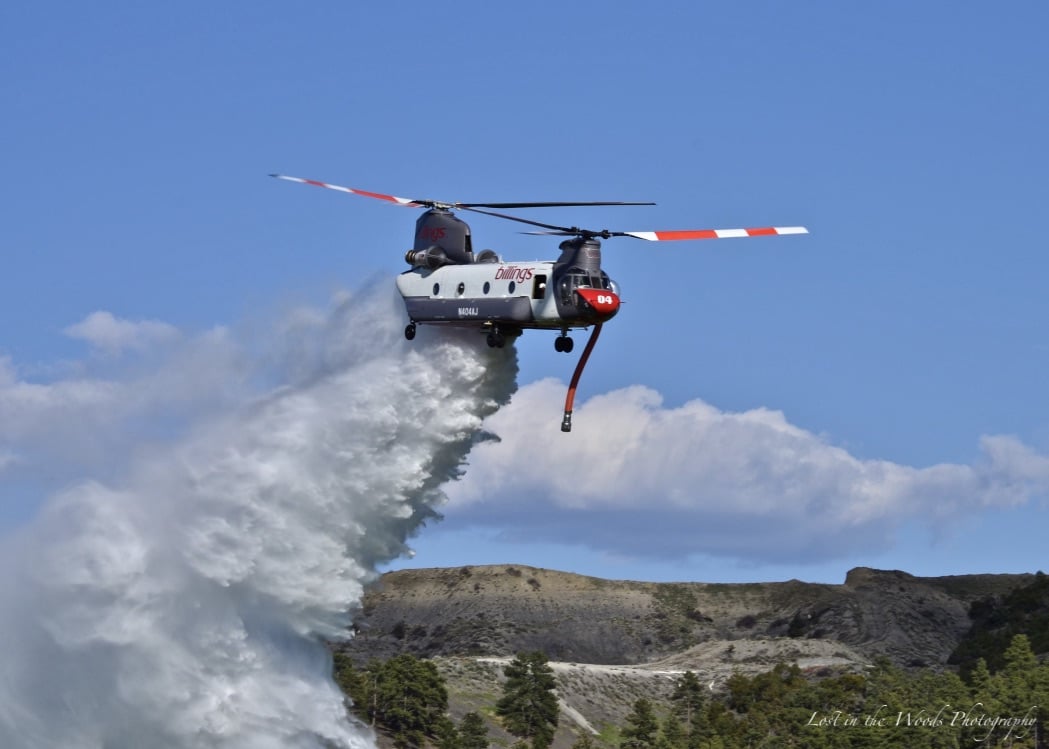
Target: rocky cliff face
[503,609]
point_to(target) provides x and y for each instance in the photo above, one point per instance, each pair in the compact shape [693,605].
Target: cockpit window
[577,279]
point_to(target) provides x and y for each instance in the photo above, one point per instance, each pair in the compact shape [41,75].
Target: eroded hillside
[503,609]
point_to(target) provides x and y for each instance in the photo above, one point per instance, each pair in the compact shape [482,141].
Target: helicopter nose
[603,301]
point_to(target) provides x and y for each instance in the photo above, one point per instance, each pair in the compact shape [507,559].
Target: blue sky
[898,337]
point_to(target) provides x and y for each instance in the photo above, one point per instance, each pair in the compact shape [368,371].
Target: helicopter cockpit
[571,303]
[577,278]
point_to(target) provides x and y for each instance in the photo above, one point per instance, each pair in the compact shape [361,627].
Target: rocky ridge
[499,610]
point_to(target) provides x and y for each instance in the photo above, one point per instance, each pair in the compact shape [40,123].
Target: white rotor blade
[665,236]
[378,195]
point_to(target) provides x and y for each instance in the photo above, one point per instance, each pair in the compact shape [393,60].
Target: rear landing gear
[564,344]
[409,332]
[499,334]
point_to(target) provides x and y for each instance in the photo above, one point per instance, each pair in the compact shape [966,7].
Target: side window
[566,290]
[539,287]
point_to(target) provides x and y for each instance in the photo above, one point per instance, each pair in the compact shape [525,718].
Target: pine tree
[981,682]
[405,696]
[688,700]
[346,676]
[641,728]
[448,736]
[361,686]
[673,736]
[528,706]
[473,732]
[1020,679]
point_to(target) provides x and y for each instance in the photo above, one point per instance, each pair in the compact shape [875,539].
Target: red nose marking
[604,302]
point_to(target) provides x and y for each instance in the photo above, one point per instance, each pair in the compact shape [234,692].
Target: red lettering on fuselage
[432,233]
[513,273]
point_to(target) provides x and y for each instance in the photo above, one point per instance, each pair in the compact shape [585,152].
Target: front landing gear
[496,339]
[564,344]
[409,332]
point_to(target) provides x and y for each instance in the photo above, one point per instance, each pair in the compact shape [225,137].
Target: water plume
[183,600]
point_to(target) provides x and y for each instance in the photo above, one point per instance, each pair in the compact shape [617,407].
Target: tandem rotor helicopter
[449,284]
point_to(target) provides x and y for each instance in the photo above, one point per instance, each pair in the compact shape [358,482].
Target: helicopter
[449,283]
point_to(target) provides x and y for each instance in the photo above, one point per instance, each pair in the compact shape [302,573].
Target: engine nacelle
[487,256]
[431,258]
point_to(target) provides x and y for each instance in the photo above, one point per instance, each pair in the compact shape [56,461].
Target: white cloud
[114,335]
[637,478]
[88,421]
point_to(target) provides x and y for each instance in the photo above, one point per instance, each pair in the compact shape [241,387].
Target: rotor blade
[388,198]
[665,236]
[411,202]
[572,231]
[553,204]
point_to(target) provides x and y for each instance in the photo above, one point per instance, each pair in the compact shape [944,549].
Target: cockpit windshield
[576,278]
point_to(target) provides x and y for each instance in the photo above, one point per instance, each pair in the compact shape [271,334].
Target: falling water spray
[186,603]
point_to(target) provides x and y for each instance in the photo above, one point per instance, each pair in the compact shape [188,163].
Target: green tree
[528,706]
[641,728]
[769,688]
[404,696]
[980,680]
[448,736]
[673,733]
[888,685]
[346,676]
[722,724]
[1024,685]
[473,732]
[688,699]
[714,742]
[1019,674]
[361,686]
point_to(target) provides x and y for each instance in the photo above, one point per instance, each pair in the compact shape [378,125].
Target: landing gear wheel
[563,343]
[496,339]
[409,332]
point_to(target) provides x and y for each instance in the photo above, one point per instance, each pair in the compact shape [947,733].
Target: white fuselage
[515,293]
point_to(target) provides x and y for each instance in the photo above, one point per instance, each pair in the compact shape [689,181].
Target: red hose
[566,422]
